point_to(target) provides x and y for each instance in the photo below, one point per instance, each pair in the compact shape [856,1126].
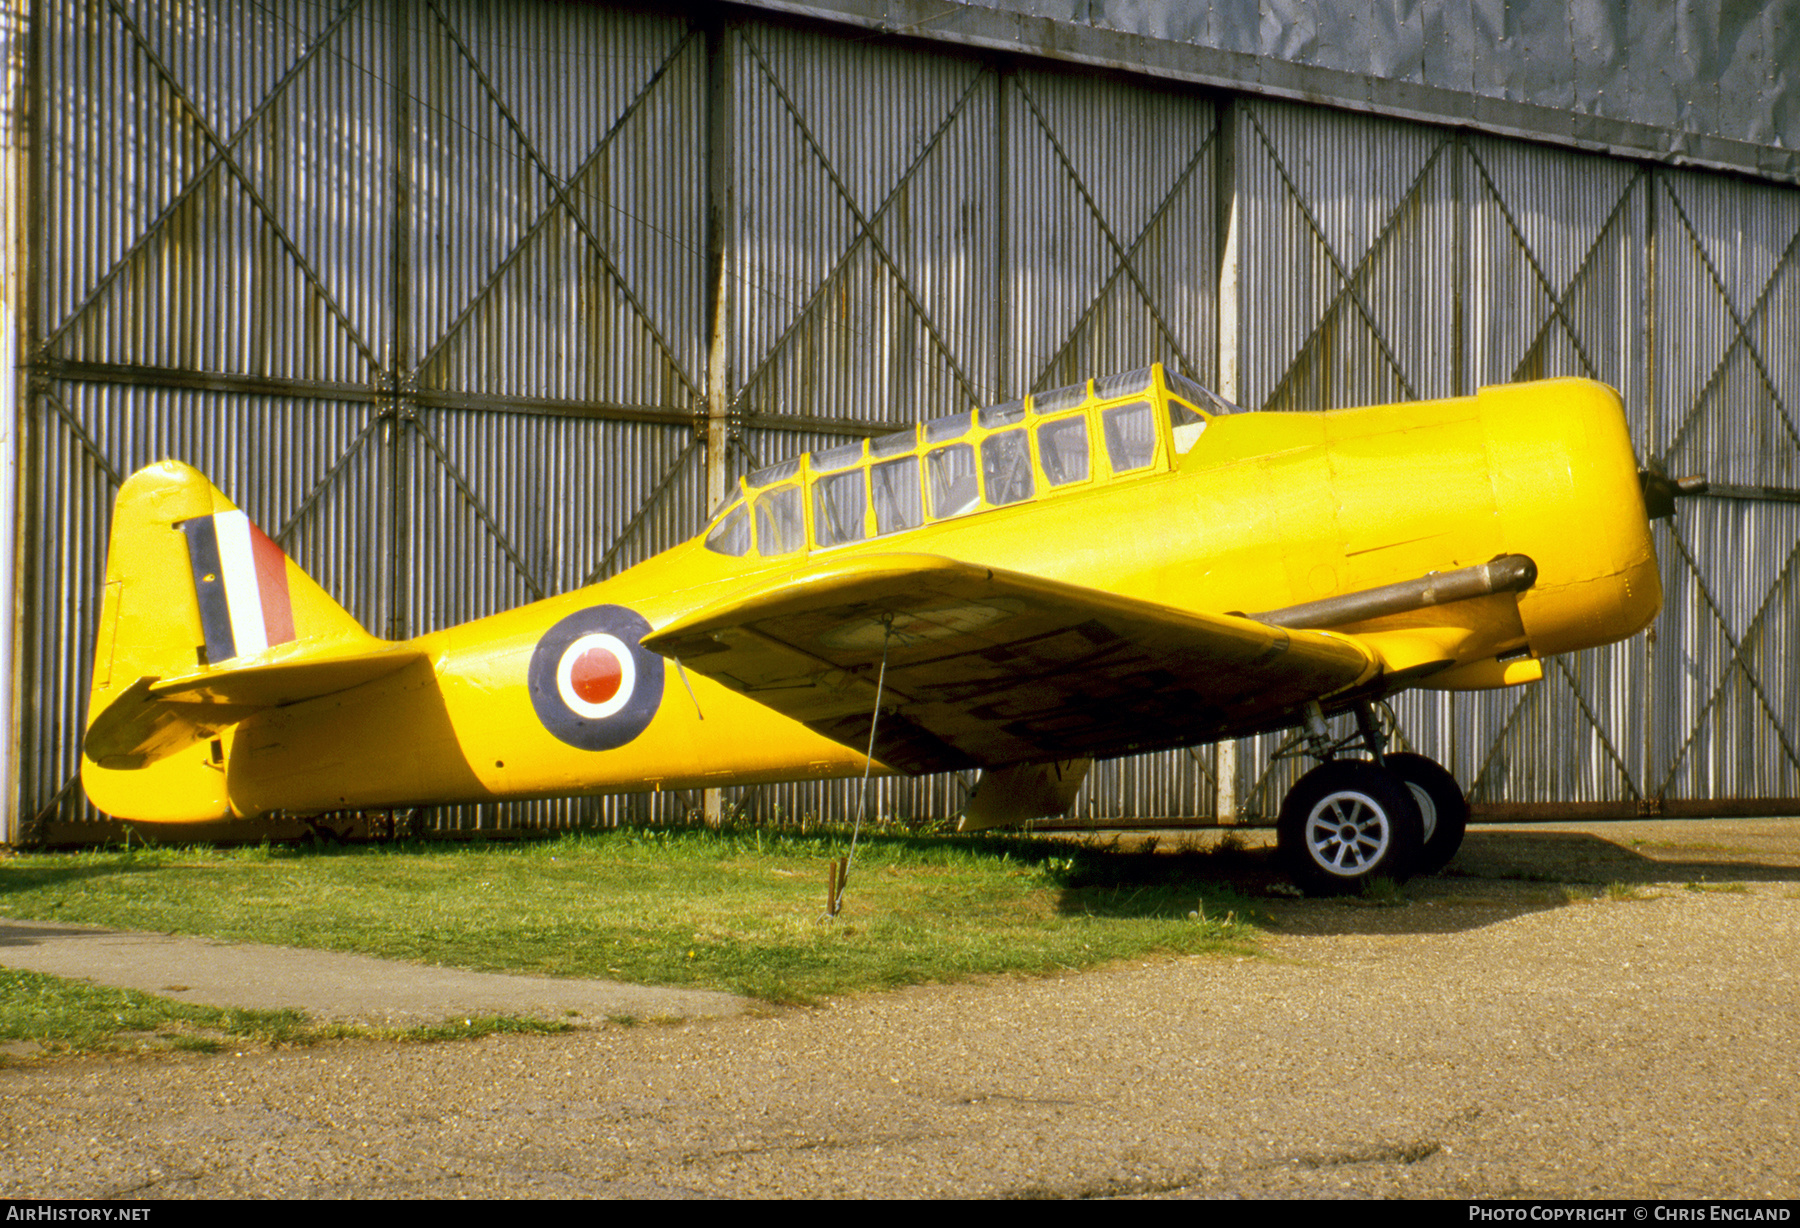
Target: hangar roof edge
[1692,94]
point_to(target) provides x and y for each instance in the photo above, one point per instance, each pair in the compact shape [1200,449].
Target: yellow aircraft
[1123,565]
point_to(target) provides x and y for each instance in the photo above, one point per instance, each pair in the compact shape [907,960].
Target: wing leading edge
[987,668]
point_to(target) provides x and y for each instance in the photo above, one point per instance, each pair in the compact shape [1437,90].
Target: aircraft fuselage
[1262,511]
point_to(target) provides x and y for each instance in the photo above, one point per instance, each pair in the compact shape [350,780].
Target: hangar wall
[469,303]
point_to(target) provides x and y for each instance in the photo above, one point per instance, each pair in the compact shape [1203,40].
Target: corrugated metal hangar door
[450,297]
[1384,261]
[421,286]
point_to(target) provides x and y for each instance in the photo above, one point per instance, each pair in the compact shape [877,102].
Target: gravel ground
[1498,1032]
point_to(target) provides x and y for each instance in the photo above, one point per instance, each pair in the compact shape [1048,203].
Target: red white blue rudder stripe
[241,583]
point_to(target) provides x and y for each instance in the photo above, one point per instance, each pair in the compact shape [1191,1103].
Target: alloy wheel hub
[1347,833]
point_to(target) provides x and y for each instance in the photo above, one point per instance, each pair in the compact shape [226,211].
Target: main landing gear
[1349,821]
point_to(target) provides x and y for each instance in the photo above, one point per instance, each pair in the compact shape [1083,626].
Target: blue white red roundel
[592,685]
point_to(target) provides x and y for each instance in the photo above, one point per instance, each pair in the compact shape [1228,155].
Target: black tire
[1346,823]
[1442,807]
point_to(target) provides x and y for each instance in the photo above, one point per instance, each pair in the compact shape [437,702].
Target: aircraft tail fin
[203,622]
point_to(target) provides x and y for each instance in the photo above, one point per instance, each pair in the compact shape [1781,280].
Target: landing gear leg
[1443,811]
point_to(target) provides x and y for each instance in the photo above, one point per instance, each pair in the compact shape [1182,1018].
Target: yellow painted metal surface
[1165,506]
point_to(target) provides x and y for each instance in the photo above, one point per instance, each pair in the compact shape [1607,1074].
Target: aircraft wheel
[1442,807]
[1347,822]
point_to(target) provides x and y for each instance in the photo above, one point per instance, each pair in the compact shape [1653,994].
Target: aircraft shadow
[34,877]
[36,933]
[1497,875]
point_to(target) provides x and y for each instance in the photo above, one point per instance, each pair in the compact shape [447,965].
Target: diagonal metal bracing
[843,261]
[1531,698]
[1318,231]
[31,828]
[1120,253]
[226,158]
[217,159]
[562,196]
[1741,323]
[1558,302]
[1260,786]
[87,441]
[643,513]
[1718,371]
[1390,227]
[1737,660]
[1593,718]
[562,201]
[1125,263]
[480,509]
[1521,706]
[752,462]
[557,204]
[1206,771]
[1498,742]
[284,535]
[863,223]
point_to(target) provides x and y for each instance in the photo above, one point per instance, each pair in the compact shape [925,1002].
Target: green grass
[62,1016]
[736,910]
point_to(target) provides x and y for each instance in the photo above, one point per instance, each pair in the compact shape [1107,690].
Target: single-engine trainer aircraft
[1124,565]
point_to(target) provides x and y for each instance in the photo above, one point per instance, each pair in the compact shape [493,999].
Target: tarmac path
[1489,1037]
[329,985]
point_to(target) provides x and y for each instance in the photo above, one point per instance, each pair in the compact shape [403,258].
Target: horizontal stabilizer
[138,729]
[155,718]
[321,672]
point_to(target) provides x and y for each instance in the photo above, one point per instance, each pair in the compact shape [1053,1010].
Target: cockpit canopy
[1101,430]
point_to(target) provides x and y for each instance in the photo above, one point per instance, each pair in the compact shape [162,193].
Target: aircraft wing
[987,668]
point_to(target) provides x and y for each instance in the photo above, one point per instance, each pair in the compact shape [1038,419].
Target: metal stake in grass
[840,869]
[834,892]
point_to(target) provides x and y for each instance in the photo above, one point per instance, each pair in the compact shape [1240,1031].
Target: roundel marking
[595,676]
[592,685]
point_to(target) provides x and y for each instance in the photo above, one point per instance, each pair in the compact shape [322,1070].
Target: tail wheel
[1442,806]
[1347,822]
